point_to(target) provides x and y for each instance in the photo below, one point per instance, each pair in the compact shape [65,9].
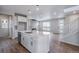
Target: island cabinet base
[36,44]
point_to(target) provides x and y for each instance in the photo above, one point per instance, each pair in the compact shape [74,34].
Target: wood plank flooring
[11,46]
[60,47]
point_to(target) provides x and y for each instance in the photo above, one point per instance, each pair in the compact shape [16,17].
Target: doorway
[4,26]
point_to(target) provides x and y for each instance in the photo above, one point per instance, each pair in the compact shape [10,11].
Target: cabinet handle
[31,43]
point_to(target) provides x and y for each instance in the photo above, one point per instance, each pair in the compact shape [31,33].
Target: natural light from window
[46,26]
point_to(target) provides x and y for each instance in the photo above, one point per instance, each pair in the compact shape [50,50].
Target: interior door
[4,26]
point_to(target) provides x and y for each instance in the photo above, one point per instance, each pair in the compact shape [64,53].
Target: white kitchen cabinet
[35,43]
[22,19]
[27,41]
[29,25]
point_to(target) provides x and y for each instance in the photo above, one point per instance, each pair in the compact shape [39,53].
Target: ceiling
[45,11]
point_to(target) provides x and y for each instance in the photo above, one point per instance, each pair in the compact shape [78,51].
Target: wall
[71,29]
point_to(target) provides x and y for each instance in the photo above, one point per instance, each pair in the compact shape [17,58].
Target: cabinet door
[26,42]
[22,41]
[21,19]
[29,42]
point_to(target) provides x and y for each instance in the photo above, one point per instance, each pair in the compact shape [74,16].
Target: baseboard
[70,43]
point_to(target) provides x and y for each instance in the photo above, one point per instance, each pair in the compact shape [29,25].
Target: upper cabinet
[22,19]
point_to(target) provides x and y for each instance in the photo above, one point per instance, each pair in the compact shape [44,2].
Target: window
[61,25]
[4,23]
[46,26]
[46,33]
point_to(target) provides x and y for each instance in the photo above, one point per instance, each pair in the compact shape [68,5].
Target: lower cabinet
[35,45]
[27,42]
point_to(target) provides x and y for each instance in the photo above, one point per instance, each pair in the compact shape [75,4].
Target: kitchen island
[36,41]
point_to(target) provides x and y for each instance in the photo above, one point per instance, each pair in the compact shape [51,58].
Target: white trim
[70,43]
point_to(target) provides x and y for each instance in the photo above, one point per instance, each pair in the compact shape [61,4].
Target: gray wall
[71,29]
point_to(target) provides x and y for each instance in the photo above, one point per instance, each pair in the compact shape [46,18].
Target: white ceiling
[45,11]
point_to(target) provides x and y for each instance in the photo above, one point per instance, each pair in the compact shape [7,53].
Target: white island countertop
[39,39]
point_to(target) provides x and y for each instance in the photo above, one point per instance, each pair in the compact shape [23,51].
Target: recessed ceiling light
[37,9]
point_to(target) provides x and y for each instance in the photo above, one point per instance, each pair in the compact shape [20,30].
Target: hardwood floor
[60,47]
[11,46]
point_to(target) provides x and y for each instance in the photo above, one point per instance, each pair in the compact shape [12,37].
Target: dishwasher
[19,37]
